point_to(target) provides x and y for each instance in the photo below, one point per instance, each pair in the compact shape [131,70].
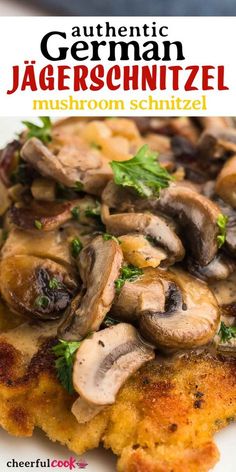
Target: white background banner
[203,83]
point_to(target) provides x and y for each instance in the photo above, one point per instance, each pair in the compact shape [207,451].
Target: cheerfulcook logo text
[72,463]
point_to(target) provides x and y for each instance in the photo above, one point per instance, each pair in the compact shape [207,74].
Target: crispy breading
[163,420]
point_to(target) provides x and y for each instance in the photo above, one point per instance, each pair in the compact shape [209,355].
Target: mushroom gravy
[131,219]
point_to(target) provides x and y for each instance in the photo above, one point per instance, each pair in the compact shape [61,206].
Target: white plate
[98,460]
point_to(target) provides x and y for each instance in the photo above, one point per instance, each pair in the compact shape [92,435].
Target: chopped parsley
[108,321]
[38,224]
[41,132]
[65,353]
[21,174]
[93,212]
[221,222]
[143,173]
[226,332]
[76,247]
[129,273]
[54,283]
[42,301]
[78,186]
[108,237]
[75,213]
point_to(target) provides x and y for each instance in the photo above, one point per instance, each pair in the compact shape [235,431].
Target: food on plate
[117,284]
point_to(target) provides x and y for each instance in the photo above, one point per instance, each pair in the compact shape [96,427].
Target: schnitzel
[163,420]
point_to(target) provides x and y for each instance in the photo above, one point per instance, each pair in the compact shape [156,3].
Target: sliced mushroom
[105,361]
[99,265]
[216,143]
[53,215]
[119,198]
[73,164]
[190,318]
[44,189]
[218,269]
[146,293]
[38,288]
[140,252]
[40,216]
[8,161]
[155,227]
[197,216]
[226,182]
[225,293]
[216,122]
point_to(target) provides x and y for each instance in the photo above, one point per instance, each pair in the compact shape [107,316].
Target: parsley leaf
[128,272]
[41,132]
[38,224]
[221,222]
[78,186]
[76,247]
[226,332]
[42,301]
[65,352]
[143,173]
[54,283]
[75,213]
[93,212]
[107,237]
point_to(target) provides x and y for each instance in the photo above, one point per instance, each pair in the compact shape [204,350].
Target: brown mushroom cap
[105,361]
[155,227]
[73,163]
[99,265]
[25,286]
[197,215]
[50,216]
[225,292]
[218,269]
[146,292]
[216,142]
[191,317]
[226,182]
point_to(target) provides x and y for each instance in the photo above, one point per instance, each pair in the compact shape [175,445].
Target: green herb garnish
[41,132]
[78,186]
[221,222]
[108,321]
[38,224]
[76,247]
[75,213]
[129,273]
[65,352]
[54,283]
[93,212]
[143,173]
[42,301]
[21,175]
[226,332]
[108,237]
